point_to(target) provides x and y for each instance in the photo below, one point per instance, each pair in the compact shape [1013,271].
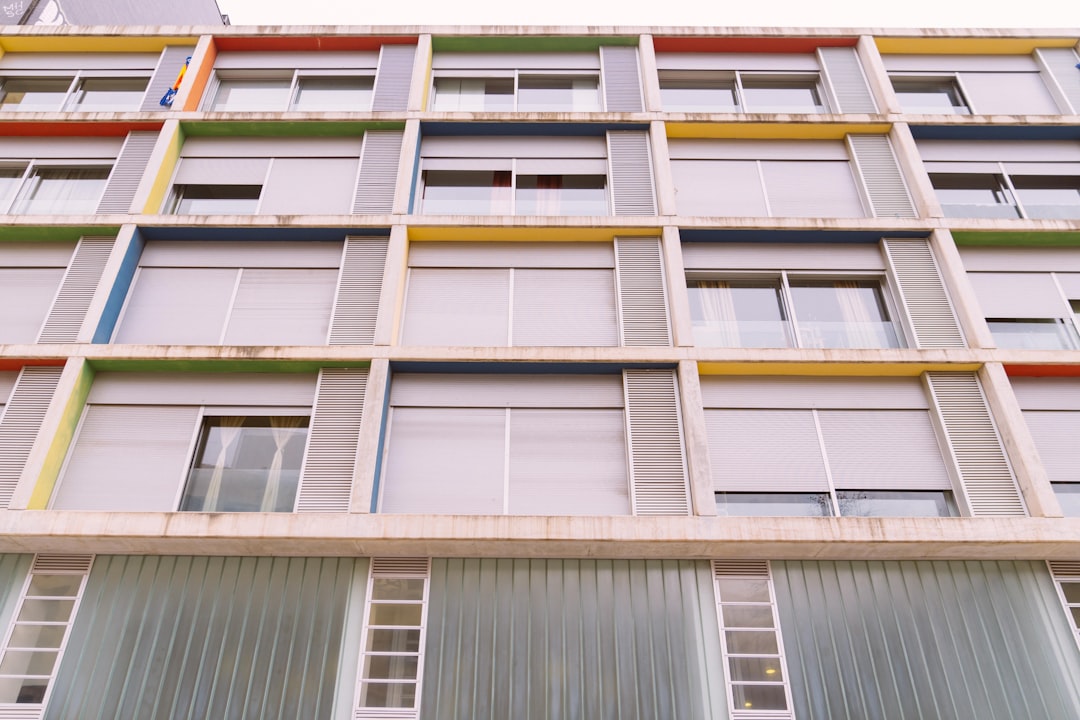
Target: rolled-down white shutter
[654,429]
[81,280]
[127,172]
[564,307]
[330,462]
[26,294]
[922,293]
[1057,437]
[281,306]
[881,176]
[1018,295]
[766,450]
[177,306]
[457,306]
[844,74]
[818,188]
[20,420]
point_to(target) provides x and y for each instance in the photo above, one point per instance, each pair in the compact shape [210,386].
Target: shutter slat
[741,568]
[984,470]
[77,289]
[327,478]
[844,74]
[400,567]
[1061,63]
[922,292]
[74,564]
[642,292]
[379,160]
[356,308]
[657,462]
[168,67]
[20,421]
[127,173]
[622,79]
[631,173]
[881,174]
[394,77]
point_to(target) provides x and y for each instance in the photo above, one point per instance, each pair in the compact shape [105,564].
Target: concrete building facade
[539,373]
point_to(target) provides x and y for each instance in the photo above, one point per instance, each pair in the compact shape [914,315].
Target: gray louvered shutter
[168,67]
[330,462]
[922,293]
[68,311]
[764,450]
[881,175]
[394,77]
[654,435]
[20,421]
[281,306]
[974,444]
[1061,62]
[379,160]
[632,187]
[843,73]
[356,307]
[127,172]
[642,292]
[622,79]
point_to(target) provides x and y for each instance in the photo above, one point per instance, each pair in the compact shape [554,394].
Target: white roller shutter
[456,306]
[26,294]
[281,306]
[564,307]
[1060,65]
[1057,437]
[1018,295]
[1008,93]
[764,451]
[177,306]
[811,189]
[309,186]
[722,188]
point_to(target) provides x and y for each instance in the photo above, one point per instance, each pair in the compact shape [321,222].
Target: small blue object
[167,98]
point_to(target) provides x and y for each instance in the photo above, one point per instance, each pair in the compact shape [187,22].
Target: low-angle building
[485,373]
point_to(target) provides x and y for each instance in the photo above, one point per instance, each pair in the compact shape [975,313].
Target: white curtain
[281,430]
[860,323]
[718,313]
[230,431]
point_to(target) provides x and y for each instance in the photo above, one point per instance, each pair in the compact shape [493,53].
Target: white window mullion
[510,305]
[789,309]
[1010,190]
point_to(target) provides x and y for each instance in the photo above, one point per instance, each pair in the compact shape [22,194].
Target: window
[524,92]
[307,91]
[930,95]
[34,94]
[215,199]
[108,94]
[1051,408]
[824,447]
[724,91]
[246,464]
[972,195]
[84,92]
[1029,310]
[791,311]
[493,193]
[61,190]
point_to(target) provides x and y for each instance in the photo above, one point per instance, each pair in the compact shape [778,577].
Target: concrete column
[665,182]
[964,301]
[682,332]
[696,440]
[406,168]
[650,80]
[369,447]
[154,186]
[421,75]
[393,286]
[198,73]
[918,181]
[876,75]
[1023,456]
[112,289]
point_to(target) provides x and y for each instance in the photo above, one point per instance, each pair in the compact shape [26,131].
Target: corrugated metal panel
[330,461]
[798,188]
[378,172]
[633,639]
[206,637]
[20,421]
[1056,433]
[106,471]
[559,307]
[943,640]
[26,294]
[568,462]
[445,460]
[883,450]
[500,391]
[309,186]
[177,306]
[168,67]
[278,306]
[1061,62]
[1018,295]
[127,173]
[632,187]
[844,74]
[457,306]
[77,290]
[885,187]
[356,306]
[393,78]
[654,434]
[622,79]
[643,306]
[922,293]
[973,441]
[765,451]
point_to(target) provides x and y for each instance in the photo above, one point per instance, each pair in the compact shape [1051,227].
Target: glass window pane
[1068,494]
[10,179]
[744,669]
[19,690]
[1033,334]
[930,95]
[395,614]
[751,642]
[252,94]
[390,667]
[334,93]
[46,611]
[759,697]
[895,503]
[397,589]
[698,91]
[109,94]
[782,95]
[774,504]
[473,95]
[64,191]
[216,199]
[747,616]
[393,641]
[395,695]
[1072,591]
[37,636]
[738,313]
[1048,197]
[19,662]
[34,94]
[563,93]
[561,195]
[743,590]
[842,314]
[973,195]
[1075,611]
[54,585]
[466,192]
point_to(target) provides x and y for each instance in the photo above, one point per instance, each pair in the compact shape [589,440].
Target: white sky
[742,13]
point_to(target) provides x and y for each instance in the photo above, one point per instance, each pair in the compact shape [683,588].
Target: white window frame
[941,77]
[516,74]
[1066,572]
[1006,185]
[31,168]
[738,79]
[68,103]
[292,77]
